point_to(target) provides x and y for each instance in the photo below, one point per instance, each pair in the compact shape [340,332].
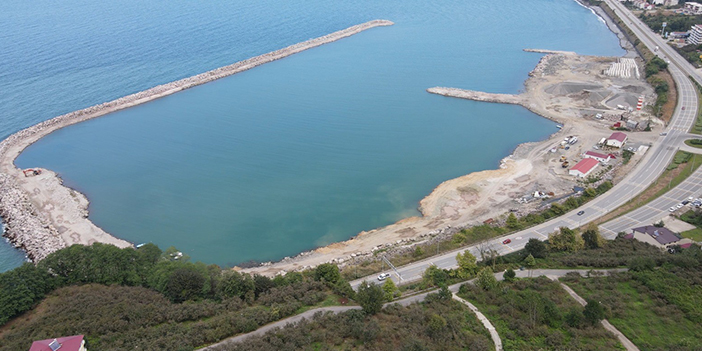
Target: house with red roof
[617,139]
[597,156]
[584,167]
[66,343]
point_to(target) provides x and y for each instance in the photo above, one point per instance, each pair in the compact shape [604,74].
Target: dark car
[507,241]
[581,213]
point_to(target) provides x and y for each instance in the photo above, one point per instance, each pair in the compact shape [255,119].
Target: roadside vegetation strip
[680,168]
[697,126]
[473,235]
[694,143]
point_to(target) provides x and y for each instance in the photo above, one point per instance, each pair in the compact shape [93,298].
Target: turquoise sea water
[291,155]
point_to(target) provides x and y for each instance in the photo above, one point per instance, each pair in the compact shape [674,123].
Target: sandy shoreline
[42,216]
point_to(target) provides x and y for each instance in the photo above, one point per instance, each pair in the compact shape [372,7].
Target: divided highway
[644,174]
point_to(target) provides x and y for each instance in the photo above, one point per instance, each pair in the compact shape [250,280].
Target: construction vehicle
[29,172]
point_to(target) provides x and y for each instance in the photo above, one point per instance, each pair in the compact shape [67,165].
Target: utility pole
[393,267]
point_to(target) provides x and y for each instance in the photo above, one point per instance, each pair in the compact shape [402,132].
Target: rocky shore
[31,216]
[24,224]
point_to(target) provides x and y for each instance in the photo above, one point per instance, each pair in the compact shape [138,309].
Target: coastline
[404,233]
[42,216]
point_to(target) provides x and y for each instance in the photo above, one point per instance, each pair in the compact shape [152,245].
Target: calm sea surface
[288,156]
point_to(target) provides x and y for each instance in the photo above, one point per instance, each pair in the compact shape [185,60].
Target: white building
[665,2]
[694,8]
[584,167]
[597,156]
[617,139]
[695,37]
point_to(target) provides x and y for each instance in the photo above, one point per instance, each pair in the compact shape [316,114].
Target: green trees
[513,223]
[21,288]
[235,284]
[530,262]
[592,238]
[434,276]
[565,240]
[371,297]
[486,280]
[327,272]
[466,264]
[391,291]
[536,248]
[593,312]
[101,263]
[509,275]
[184,284]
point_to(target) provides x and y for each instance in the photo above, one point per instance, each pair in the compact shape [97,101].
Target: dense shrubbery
[615,253]
[537,314]
[165,272]
[438,324]
[128,318]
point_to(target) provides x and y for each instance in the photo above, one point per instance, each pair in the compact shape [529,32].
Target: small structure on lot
[66,343]
[597,156]
[657,236]
[584,167]
[617,139]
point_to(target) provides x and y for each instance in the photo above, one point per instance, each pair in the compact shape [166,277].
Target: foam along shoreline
[42,216]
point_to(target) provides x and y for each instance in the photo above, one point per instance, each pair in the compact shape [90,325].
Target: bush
[371,297]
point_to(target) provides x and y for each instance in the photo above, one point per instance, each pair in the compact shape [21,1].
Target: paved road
[644,174]
[550,273]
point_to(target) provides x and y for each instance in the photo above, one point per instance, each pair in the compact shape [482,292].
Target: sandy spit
[42,216]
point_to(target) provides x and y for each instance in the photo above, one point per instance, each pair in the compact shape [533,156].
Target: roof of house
[617,136]
[66,343]
[585,165]
[597,154]
[662,235]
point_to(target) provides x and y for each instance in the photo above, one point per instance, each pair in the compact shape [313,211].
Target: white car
[383,276]
[672,209]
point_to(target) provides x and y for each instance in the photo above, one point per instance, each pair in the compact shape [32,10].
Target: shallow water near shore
[291,155]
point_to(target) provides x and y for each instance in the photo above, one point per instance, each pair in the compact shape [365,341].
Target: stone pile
[24,225]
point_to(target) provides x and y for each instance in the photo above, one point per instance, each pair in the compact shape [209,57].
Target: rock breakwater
[24,206]
[26,227]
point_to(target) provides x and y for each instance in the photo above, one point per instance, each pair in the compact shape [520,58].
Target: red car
[507,241]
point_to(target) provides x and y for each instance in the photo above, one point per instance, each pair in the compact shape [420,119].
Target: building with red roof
[66,343]
[597,156]
[617,139]
[584,167]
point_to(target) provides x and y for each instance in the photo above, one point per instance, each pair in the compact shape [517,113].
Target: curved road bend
[550,273]
[644,174]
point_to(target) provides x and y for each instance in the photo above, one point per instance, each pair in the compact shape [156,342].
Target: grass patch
[532,314]
[694,234]
[697,127]
[694,143]
[639,312]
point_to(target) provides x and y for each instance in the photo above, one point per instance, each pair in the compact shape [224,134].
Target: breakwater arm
[42,216]
[545,51]
[477,95]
